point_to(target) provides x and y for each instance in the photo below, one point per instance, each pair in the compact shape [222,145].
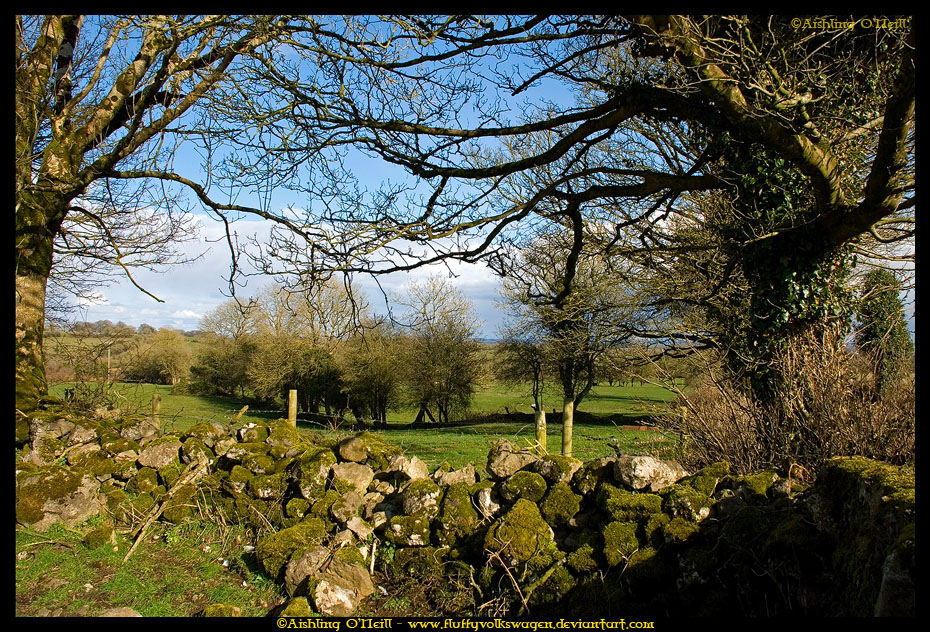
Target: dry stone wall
[551,534]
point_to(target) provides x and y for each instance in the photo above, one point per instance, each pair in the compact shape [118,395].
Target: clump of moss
[524,484]
[560,504]
[620,542]
[274,551]
[408,531]
[297,507]
[625,506]
[687,502]
[678,530]
[311,470]
[653,529]
[705,480]
[457,517]
[180,508]
[521,538]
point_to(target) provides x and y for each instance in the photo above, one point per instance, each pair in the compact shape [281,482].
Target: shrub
[826,406]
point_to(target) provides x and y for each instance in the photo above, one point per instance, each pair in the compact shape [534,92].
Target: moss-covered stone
[678,530]
[101,536]
[297,507]
[321,506]
[239,451]
[593,473]
[193,448]
[297,607]
[266,487]
[259,464]
[145,481]
[53,493]
[523,484]
[170,473]
[522,539]
[652,530]
[408,530]
[274,551]
[687,502]
[624,506]
[182,505]
[380,452]
[705,480]
[421,497]
[282,433]
[311,471]
[253,433]
[556,468]
[457,517]
[560,504]
[620,542]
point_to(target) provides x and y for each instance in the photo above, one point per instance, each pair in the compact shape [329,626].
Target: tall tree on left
[96,95]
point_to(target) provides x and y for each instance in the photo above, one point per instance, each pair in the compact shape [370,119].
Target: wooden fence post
[156,406]
[292,407]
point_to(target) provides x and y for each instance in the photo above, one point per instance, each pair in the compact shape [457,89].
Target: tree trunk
[38,219]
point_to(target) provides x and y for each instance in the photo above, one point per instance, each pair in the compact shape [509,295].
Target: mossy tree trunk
[38,219]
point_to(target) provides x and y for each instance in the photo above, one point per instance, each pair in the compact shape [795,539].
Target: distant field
[601,416]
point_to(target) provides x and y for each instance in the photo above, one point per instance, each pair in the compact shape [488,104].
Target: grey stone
[645,473]
[160,454]
[506,458]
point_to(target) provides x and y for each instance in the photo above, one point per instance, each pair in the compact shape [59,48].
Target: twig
[194,471]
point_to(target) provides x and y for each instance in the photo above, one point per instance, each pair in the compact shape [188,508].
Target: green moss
[420,561]
[522,538]
[311,471]
[380,452]
[582,559]
[351,555]
[170,473]
[180,508]
[192,448]
[408,531]
[256,434]
[297,607]
[678,530]
[556,468]
[755,487]
[270,486]
[687,502]
[625,506]
[274,551]
[34,488]
[297,507]
[619,542]
[239,474]
[321,506]
[145,481]
[283,433]
[101,536]
[593,473]
[705,480]
[560,504]
[259,464]
[457,517]
[422,497]
[523,484]
[653,528]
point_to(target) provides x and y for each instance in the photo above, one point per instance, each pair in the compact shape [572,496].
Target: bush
[826,406]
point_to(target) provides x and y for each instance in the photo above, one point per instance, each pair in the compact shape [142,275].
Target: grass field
[601,417]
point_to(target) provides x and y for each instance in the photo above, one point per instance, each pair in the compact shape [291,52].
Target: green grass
[599,418]
[171,576]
